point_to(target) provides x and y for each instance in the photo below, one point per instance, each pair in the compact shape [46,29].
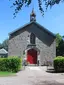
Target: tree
[19,4]
[60,49]
[4,45]
[58,39]
[1,46]
[59,45]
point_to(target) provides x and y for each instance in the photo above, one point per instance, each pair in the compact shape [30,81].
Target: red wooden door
[32,56]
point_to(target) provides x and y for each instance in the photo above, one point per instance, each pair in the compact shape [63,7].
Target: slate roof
[33,22]
[3,51]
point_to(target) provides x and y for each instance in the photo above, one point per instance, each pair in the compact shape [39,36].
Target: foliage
[11,64]
[4,45]
[58,39]
[60,48]
[59,45]
[59,64]
[19,4]
[1,46]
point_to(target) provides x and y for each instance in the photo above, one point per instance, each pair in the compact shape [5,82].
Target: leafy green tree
[19,4]
[5,44]
[60,49]
[59,45]
[1,46]
[58,39]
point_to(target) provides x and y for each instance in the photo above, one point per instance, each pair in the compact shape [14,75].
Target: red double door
[32,56]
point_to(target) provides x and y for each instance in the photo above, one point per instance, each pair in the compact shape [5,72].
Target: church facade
[34,43]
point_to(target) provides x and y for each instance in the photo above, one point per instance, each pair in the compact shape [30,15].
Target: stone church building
[33,43]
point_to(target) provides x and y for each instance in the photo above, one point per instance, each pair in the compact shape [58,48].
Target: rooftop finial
[33,15]
[32,10]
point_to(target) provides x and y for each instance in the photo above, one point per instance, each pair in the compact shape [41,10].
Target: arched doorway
[32,56]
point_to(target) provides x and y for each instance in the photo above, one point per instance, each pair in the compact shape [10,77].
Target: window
[32,38]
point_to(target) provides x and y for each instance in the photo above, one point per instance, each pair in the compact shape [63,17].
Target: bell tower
[32,16]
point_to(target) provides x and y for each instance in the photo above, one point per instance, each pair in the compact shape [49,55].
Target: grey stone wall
[47,53]
[18,44]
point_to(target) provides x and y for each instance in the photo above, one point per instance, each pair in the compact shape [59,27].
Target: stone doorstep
[32,65]
[50,67]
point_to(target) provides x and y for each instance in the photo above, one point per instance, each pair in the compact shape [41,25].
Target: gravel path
[34,76]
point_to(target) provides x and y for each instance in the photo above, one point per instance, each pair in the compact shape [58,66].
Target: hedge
[11,64]
[59,64]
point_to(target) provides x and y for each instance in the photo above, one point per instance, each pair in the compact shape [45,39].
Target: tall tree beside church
[1,46]
[59,45]
[58,39]
[4,45]
[19,4]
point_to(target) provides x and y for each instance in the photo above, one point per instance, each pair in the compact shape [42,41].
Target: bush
[12,64]
[59,64]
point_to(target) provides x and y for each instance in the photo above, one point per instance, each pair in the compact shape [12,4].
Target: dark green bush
[12,64]
[59,64]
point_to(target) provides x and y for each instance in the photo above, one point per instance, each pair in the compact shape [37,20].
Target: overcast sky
[53,19]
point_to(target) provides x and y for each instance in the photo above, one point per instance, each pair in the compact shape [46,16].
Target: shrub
[12,64]
[59,64]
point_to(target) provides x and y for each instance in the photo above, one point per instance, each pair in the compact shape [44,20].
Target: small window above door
[32,38]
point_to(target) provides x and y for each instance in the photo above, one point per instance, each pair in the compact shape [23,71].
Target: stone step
[32,65]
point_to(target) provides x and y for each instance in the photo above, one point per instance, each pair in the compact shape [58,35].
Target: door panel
[32,56]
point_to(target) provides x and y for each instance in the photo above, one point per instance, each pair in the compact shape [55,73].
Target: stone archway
[32,56]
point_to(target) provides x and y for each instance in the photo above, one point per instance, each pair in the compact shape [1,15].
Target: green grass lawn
[5,73]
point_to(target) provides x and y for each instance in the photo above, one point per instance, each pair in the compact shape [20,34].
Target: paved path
[34,76]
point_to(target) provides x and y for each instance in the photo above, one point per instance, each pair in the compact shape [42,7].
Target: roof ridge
[43,28]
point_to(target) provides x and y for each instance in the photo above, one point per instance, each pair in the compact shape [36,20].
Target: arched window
[32,38]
